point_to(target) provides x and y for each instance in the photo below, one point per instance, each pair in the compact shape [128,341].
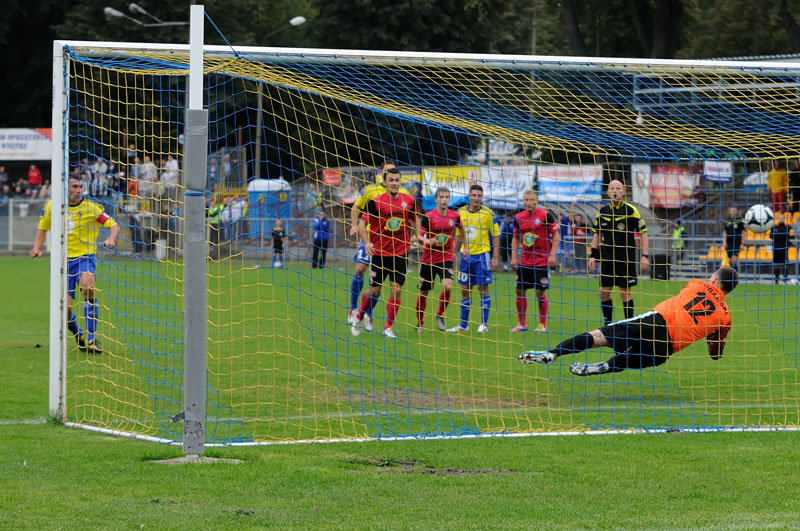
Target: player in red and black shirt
[438,230]
[537,231]
[387,241]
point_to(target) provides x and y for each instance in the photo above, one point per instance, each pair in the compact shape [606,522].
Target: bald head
[616,191]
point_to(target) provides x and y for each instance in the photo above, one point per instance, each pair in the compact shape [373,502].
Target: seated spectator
[44,193]
[4,178]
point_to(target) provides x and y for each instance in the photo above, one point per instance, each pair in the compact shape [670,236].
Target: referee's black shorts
[642,340]
[618,272]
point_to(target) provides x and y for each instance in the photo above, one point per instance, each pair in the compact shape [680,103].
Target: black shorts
[779,257]
[733,251]
[620,273]
[644,336]
[533,277]
[391,267]
[429,272]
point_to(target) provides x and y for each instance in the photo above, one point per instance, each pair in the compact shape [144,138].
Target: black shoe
[81,340]
[93,347]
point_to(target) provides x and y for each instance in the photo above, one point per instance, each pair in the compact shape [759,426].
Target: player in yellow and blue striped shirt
[476,265]
[84,220]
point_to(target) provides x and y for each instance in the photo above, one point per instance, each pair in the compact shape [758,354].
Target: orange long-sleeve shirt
[697,312]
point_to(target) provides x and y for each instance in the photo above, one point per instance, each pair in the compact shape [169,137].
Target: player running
[388,217]
[361,258]
[84,219]
[438,228]
[536,229]
[648,340]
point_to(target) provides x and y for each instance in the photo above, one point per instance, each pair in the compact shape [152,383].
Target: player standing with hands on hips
[537,231]
[614,246]
[84,219]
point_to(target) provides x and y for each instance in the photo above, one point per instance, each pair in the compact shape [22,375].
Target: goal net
[296,136]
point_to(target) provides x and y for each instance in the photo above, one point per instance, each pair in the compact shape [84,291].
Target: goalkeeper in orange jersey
[648,340]
[84,219]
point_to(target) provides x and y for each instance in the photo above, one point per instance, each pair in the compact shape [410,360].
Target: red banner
[672,186]
[332,177]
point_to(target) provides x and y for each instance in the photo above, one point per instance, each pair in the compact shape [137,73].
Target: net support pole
[195,252]
[58,255]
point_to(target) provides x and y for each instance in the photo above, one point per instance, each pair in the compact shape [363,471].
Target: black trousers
[320,253]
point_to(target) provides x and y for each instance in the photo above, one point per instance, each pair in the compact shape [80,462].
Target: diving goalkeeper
[648,340]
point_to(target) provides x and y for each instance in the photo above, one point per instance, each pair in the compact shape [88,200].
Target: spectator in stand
[796,229]
[99,184]
[565,245]
[794,186]
[732,234]
[322,233]
[5,197]
[34,181]
[150,175]
[44,193]
[135,176]
[21,190]
[778,184]
[169,175]
[580,239]
[780,248]
[4,178]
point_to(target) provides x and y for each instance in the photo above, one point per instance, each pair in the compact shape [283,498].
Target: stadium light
[111,12]
[293,22]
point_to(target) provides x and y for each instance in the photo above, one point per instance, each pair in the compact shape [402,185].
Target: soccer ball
[759,218]
[277,263]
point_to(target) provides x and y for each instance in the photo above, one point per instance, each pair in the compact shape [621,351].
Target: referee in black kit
[614,245]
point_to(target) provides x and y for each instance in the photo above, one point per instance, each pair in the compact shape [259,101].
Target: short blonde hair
[530,191]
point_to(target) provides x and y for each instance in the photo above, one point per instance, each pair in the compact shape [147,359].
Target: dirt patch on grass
[395,466]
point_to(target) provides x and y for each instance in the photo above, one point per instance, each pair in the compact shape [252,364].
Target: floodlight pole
[195,252]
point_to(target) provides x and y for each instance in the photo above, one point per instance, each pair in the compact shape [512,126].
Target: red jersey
[698,311]
[389,220]
[442,230]
[535,231]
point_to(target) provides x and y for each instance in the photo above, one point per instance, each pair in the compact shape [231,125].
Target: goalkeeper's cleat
[389,332]
[536,356]
[93,347]
[81,340]
[541,328]
[588,369]
[458,328]
[440,323]
[368,323]
[419,329]
[355,326]
[483,328]
[519,328]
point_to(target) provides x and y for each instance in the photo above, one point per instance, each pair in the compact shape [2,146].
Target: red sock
[365,302]
[422,303]
[444,300]
[543,310]
[522,310]
[391,311]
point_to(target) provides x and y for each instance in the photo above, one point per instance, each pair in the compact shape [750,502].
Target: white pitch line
[22,422]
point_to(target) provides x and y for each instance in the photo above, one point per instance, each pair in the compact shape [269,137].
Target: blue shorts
[75,268]
[361,256]
[475,270]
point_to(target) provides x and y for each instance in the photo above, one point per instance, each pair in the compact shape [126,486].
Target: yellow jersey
[371,191]
[480,228]
[83,223]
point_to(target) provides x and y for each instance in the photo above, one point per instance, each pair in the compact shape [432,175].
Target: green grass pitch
[59,477]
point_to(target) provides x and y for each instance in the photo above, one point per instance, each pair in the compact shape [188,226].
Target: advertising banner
[25,144]
[718,171]
[640,183]
[672,186]
[570,183]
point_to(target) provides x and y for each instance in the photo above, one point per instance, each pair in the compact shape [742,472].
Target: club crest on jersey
[450,223]
[394,224]
[441,239]
[404,204]
[528,238]
[620,226]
